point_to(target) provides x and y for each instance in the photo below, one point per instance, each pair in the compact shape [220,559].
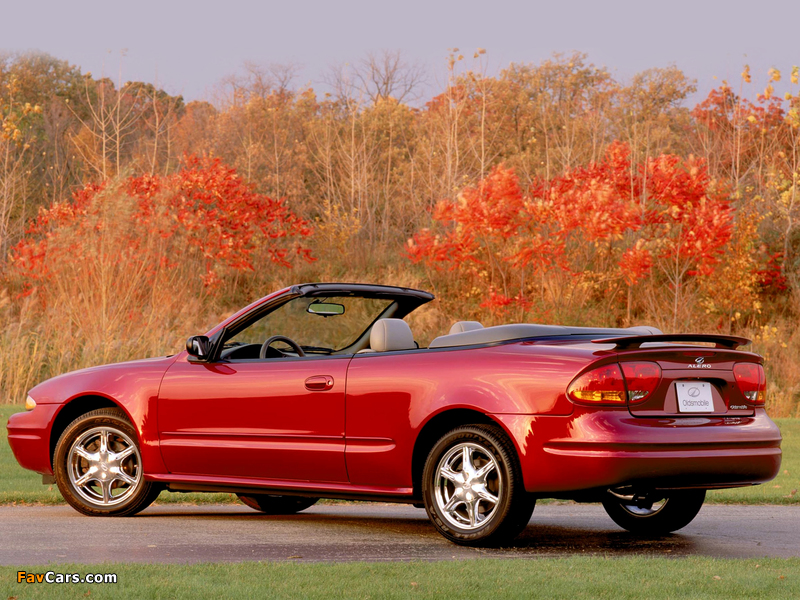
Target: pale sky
[189,46]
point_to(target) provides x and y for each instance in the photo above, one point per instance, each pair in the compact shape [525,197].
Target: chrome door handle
[319,383]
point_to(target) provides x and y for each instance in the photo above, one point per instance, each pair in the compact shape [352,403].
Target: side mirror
[198,346]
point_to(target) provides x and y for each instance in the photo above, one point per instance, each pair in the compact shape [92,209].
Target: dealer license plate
[694,397]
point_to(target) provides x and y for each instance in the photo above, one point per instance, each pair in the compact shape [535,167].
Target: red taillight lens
[641,378]
[751,381]
[603,385]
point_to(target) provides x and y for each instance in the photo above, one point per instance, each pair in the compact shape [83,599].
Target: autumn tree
[570,240]
[16,157]
[388,75]
[123,260]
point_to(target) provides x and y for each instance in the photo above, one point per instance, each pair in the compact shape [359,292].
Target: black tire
[69,467]
[675,510]
[494,522]
[277,505]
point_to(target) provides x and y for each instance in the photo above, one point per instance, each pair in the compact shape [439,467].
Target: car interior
[386,335]
[340,324]
[393,335]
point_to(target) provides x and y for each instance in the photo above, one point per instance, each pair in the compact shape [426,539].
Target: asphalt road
[31,535]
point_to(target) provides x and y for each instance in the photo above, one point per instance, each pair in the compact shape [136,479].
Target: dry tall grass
[110,277]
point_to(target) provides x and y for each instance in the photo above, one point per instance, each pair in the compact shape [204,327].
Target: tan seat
[462,326]
[389,335]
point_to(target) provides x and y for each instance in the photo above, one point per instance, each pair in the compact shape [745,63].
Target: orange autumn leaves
[609,222]
[203,220]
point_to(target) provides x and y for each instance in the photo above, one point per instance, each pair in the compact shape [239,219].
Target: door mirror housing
[198,346]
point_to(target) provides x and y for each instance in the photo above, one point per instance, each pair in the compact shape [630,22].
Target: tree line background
[551,192]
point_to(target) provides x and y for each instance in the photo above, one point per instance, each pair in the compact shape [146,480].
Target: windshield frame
[387,305]
[405,300]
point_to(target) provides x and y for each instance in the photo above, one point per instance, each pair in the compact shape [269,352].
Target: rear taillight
[603,385]
[751,381]
[641,379]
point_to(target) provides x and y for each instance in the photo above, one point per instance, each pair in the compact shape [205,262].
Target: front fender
[132,386]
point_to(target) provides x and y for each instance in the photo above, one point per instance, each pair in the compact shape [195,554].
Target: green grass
[21,486]
[575,578]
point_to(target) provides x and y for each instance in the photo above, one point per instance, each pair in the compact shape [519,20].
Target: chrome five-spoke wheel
[98,465]
[104,466]
[468,486]
[472,487]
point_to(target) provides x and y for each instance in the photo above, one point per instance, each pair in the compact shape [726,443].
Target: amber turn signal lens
[30,403]
[603,385]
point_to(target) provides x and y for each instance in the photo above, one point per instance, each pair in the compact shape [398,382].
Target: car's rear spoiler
[728,342]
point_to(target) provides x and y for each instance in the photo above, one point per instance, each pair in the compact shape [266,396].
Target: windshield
[324,329]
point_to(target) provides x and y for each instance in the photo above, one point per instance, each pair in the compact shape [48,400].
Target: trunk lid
[695,382]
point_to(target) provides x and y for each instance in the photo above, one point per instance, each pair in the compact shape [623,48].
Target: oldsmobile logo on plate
[694,396]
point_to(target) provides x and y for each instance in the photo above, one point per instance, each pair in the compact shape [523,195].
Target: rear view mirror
[198,346]
[325,309]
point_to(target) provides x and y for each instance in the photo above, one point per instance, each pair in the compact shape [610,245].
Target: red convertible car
[320,390]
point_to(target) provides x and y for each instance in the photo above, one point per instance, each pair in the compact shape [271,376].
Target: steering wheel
[280,338]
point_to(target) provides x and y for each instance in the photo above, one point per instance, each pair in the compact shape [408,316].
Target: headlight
[30,403]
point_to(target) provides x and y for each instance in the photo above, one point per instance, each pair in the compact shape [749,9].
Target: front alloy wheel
[472,487]
[104,466]
[98,466]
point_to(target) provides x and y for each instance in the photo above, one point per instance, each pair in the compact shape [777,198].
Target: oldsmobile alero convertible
[320,390]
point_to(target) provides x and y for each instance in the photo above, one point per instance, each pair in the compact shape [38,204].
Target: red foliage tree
[608,222]
[205,214]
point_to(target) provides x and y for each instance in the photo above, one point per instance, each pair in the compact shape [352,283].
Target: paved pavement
[373,532]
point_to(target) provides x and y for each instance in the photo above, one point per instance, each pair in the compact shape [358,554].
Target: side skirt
[189,483]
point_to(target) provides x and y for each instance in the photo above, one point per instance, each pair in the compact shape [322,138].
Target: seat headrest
[462,326]
[391,334]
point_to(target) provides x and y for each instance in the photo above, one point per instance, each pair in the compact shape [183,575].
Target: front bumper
[29,437]
[598,449]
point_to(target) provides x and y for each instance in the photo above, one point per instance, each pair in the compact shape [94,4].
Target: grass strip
[638,578]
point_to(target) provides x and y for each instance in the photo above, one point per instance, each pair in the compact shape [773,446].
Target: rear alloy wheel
[98,467]
[472,487]
[277,505]
[654,513]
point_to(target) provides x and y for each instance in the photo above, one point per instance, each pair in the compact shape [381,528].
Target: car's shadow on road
[537,538]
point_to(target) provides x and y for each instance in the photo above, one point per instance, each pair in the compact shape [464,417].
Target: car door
[277,419]
[389,395]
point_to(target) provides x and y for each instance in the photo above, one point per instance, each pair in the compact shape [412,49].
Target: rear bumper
[29,437]
[602,449]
